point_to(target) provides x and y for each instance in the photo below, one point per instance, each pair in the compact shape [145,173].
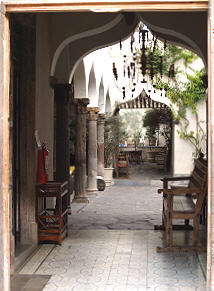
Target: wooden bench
[122,161]
[184,202]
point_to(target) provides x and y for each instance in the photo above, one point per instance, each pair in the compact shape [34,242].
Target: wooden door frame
[99,6]
[5,156]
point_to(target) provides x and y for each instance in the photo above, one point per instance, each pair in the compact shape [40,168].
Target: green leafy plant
[185,95]
[153,119]
[114,133]
[133,124]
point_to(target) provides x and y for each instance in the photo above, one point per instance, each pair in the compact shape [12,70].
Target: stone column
[92,149]
[62,132]
[80,151]
[100,145]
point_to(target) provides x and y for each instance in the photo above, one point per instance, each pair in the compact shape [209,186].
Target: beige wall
[44,94]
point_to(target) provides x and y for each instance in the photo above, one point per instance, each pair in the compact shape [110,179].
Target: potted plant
[157,122]
[113,135]
[151,122]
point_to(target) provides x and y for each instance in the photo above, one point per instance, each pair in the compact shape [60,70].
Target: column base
[92,191]
[81,199]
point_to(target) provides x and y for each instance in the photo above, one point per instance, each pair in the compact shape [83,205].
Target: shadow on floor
[29,282]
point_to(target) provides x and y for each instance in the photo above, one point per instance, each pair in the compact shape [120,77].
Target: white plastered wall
[183,150]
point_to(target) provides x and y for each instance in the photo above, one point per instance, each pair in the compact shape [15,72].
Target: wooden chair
[184,203]
[122,161]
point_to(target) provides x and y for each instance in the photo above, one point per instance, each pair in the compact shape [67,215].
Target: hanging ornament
[143,63]
[144,39]
[129,73]
[161,66]
[151,72]
[124,93]
[132,42]
[132,65]
[165,45]
[171,73]
[154,45]
[115,71]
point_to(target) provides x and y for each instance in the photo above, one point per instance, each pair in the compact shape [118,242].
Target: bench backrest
[199,180]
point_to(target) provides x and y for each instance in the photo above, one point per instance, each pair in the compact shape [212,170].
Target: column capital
[81,105]
[93,113]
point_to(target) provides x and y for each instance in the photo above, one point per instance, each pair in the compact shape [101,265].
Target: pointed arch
[92,90]
[185,36]
[108,103]
[71,39]
[80,81]
[101,101]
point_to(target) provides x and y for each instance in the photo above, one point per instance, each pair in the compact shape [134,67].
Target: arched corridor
[102,251]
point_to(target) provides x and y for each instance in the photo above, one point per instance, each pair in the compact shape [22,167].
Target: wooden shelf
[52,222]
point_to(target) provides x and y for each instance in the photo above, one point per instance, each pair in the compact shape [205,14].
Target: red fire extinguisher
[42,175]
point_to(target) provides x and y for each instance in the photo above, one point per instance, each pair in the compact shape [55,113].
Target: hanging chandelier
[141,63]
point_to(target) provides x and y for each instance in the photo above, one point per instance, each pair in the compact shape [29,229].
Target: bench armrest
[182,191]
[165,181]
[180,178]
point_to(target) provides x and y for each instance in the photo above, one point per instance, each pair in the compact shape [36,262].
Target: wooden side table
[52,222]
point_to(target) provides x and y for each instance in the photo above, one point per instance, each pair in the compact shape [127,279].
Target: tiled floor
[29,282]
[112,245]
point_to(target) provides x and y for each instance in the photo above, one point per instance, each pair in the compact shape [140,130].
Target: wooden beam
[105,6]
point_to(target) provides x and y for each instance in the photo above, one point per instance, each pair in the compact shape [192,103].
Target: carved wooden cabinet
[52,212]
